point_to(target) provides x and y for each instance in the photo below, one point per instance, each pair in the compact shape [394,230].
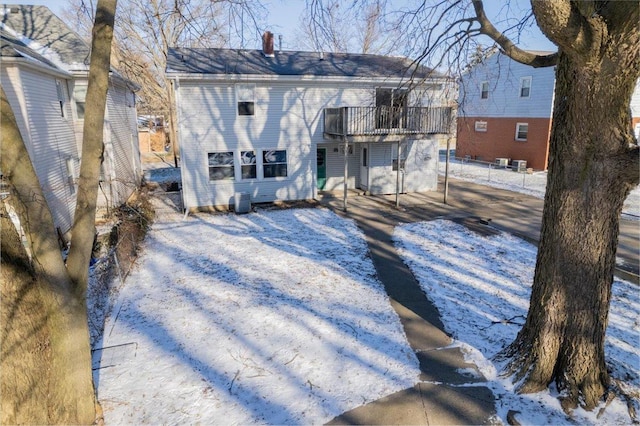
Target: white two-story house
[283,125]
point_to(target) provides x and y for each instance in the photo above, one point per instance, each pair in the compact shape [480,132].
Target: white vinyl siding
[420,167]
[335,167]
[505,78]
[48,136]
[122,168]
[286,117]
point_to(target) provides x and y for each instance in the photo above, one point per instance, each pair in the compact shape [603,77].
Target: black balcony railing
[380,121]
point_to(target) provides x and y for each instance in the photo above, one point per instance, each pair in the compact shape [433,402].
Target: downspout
[398,175]
[346,156]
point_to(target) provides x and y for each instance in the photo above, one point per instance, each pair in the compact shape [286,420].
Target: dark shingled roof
[10,47]
[39,24]
[292,63]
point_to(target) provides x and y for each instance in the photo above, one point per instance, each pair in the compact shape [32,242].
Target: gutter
[35,65]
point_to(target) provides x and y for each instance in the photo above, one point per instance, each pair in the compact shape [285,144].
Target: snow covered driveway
[274,317]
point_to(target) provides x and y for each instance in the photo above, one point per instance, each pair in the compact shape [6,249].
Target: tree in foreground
[46,375]
[593,165]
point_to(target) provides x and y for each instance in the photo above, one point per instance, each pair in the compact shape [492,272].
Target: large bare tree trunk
[592,168]
[83,230]
[46,374]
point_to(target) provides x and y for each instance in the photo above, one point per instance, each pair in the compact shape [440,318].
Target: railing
[362,121]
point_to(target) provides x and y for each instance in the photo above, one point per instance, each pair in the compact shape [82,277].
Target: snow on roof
[43,32]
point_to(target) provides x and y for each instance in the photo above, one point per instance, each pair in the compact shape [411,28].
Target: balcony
[367,124]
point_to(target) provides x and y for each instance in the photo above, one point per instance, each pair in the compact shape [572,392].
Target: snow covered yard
[274,317]
[481,286]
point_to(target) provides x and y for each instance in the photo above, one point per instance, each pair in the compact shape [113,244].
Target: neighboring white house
[277,124]
[38,93]
[44,71]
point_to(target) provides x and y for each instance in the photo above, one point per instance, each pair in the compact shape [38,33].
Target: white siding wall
[421,168]
[122,155]
[285,117]
[335,166]
[503,76]
[49,137]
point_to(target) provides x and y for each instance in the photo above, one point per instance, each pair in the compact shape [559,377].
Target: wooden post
[346,157]
[446,171]
[398,175]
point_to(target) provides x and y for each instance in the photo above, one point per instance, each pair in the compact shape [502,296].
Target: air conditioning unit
[502,162]
[242,201]
[519,165]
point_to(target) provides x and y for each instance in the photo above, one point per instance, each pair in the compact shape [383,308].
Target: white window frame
[80,97]
[518,126]
[248,158]
[265,164]
[528,81]
[480,126]
[482,91]
[232,166]
[62,98]
[245,93]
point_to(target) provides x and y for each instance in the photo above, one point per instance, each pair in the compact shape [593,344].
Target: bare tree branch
[510,49]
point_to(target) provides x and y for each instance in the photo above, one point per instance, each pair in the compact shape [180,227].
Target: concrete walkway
[444,396]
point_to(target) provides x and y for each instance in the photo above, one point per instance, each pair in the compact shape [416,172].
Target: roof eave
[228,78]
[37,65]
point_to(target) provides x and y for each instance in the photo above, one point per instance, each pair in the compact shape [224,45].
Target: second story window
[79,97]
[525,87]
[484,90]
[246,98]
[60,87]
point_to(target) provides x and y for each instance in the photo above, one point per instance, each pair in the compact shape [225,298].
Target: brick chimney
[267,44]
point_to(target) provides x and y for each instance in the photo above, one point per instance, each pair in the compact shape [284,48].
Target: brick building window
[522,131]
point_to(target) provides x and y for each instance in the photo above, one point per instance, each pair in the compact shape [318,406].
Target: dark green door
[321,157]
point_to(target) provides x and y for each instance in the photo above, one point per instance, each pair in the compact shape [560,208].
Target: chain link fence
[525,181]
